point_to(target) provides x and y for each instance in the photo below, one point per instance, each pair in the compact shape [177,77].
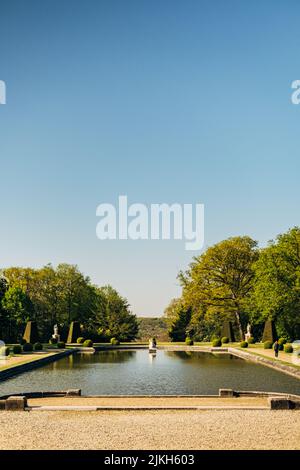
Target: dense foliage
[236,281]
[61,295]
[152,327]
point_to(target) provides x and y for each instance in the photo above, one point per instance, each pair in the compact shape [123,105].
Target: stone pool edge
[39,362]
[287,369]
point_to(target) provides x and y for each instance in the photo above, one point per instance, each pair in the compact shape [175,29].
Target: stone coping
[72,400]
[33,364]
[286,368]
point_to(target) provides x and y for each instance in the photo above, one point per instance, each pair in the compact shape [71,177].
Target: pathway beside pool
[134,402]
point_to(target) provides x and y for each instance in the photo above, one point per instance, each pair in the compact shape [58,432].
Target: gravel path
[222,429]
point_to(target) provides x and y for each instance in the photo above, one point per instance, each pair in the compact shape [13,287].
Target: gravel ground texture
[153,430]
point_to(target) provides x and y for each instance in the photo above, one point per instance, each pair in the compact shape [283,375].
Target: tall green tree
[178,328]
[276,294]
[18,308]
[117,320]
[220,280]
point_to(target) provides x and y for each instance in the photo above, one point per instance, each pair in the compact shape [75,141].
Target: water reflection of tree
[83,359]
[194,356]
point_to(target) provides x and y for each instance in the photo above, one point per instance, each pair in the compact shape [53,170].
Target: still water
[136,372]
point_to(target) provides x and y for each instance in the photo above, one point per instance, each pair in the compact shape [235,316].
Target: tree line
[236,280]
[59,296]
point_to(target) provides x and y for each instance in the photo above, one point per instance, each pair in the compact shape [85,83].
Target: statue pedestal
[247,336]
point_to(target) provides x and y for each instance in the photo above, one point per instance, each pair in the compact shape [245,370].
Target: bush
[22,341]
[251,340]
[88,343]
[114,341]
[38,346]
[244,344]
[61,345]
[216,343]
[53,341]
[189,341]
[225,339]
[268,345]
[27,347]
[80,340]
[17,349]
[4,351]
[282,341]
[288,348]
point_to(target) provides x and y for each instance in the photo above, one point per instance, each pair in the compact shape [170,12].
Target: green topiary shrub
[22,341]
[88,343]
[114,341]
[17,349]
[288,348]
[31,333]
[189,341]
[269,333]
[74,332]
[53,341]
[268,345]
[61,345]
[80,340]
[244,344]
[38,347]
[282,341]
[250,340]
[225,340]
[227,331]
[217,343]
[27,347]
[4,351]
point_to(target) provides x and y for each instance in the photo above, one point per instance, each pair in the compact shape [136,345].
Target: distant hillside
[152,327]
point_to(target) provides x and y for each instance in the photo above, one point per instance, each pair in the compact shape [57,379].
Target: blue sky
[165,101]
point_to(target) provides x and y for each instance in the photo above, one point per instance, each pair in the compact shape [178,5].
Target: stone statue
[248,334]
[55,334]
[152,344]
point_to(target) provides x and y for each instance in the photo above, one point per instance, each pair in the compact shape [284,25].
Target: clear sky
[165,101]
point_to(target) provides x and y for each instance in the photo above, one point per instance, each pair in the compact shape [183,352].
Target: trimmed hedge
[114,341]
[216,343]
[244,344]
[27,347]
[38,346]
[4,351]
[225,340]
[53,341]
[282,341]
[288,348]
[61,345]
[80,340]
[251,340]
[189,341]
[88,343]
[17,349]
[268,345]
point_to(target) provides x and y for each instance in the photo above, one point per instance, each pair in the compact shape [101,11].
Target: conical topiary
[227,331]
[269,333]
[74,332]
[31,334]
